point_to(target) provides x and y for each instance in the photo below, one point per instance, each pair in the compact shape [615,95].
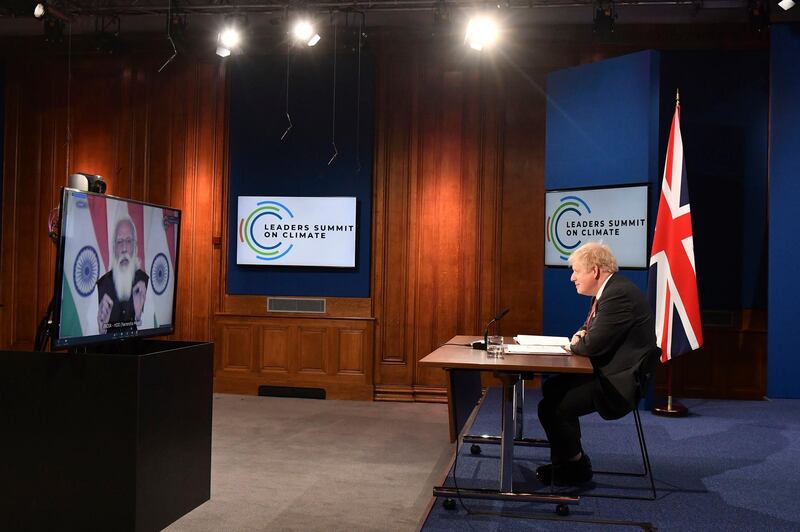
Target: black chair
[644,376]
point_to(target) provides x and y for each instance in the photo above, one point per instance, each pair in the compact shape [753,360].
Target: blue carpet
[729,465]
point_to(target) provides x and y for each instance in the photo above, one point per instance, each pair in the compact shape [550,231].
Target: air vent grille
[292,304]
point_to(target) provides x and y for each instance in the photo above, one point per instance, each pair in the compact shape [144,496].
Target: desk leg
[507,431]
[505,491]
[519,425]
[519,413]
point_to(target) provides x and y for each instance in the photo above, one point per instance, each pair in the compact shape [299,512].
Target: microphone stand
[482,346]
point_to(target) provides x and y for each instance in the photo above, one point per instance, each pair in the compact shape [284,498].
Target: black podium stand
[114,440]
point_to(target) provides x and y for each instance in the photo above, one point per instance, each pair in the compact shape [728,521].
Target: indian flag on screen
[159,244]
[86,259]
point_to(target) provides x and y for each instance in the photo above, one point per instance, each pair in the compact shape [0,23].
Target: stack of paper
[535,350]
[530,339]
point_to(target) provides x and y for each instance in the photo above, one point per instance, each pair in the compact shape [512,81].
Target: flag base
[671,409]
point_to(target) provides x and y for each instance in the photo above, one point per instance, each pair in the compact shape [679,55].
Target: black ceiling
[85,16]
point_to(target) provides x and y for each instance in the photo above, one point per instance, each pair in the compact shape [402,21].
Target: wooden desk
[456,358]
[455,354]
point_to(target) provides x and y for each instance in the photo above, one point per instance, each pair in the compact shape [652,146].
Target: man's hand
[577,336]
[104,313]
[139,291]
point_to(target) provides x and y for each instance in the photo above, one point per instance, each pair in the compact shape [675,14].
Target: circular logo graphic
[255,230]
[85,271]
[570,206]
[159,274]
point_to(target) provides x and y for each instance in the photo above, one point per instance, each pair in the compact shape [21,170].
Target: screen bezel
[648,236]
[58,341]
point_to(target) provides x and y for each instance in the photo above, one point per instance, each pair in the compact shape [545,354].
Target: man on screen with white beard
[121,291]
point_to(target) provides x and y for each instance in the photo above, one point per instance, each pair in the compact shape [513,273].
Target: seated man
[618,335]
[121,291]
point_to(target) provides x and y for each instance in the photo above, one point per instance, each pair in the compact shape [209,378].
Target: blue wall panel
[724,121]
[261,164]
[602,129]
[783,374]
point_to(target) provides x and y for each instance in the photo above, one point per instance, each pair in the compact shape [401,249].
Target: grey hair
[594,254]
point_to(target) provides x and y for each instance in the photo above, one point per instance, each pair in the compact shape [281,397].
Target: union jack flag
[672,278]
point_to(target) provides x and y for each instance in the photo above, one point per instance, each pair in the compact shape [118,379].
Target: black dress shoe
[567,473]
[543,473]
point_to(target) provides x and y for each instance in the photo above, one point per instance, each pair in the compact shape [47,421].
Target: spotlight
[42,8]
[786,5]
[482,32]
[229,38]
[303,31]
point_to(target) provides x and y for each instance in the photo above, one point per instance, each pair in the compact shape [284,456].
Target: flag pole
[672,408]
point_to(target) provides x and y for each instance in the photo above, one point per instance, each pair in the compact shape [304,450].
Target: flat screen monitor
[296,231]
[614,215]
[116,269]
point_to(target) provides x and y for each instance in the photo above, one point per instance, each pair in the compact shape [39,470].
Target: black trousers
[565,398]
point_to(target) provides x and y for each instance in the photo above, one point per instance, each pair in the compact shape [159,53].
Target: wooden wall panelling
[731,364]
[438,214]
[489,209]
[301,351]
[312,350]
[522,232]
[237,348]
[394,220]
[471,215]
[33,152]
[275,349]
[204,151]
[351,349]
[439,186]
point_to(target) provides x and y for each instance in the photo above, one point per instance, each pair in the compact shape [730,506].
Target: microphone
[482,345]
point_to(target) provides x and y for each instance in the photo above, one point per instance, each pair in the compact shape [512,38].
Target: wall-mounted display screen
[296,231]
[616,216]
[116,270]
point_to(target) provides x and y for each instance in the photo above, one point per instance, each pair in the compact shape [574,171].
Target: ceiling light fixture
[303,31]
[786,5]
[230,38]
[43,9]
[482,32]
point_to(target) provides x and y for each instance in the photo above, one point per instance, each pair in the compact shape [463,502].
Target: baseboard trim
[411,394]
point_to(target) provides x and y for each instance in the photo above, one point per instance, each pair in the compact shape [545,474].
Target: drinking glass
[494,347]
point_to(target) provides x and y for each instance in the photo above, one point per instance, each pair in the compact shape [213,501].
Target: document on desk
[536,350]
[530,339]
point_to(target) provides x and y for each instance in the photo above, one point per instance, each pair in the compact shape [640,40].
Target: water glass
[494,347]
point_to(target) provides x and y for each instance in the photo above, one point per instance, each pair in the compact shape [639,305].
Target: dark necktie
[591,314]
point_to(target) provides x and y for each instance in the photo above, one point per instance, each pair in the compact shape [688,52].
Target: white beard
[123,276]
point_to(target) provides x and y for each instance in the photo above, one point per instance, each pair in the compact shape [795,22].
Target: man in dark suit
[121,291]
[618,337]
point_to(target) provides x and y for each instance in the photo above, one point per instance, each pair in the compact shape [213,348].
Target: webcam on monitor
[87,182]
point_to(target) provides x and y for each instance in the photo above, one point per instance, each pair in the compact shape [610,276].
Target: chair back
[646,371]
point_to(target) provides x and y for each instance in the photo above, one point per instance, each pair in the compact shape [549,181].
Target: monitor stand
[118,438]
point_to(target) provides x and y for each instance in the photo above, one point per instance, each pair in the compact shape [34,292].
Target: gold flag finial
[677,96]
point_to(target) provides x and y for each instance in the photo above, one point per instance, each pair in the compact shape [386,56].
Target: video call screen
[116,272]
